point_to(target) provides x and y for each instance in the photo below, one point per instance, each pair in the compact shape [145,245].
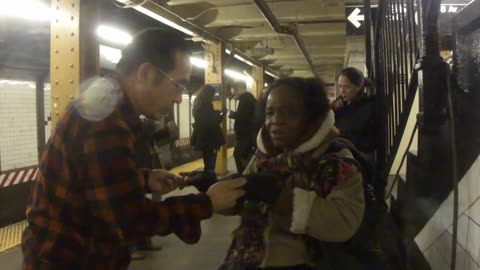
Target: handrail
[396,53]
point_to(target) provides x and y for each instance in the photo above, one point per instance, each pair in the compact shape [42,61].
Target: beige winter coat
[300,211]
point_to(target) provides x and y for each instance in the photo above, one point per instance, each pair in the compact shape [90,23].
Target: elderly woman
[299,190]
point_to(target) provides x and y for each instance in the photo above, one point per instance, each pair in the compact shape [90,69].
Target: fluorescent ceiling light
[195,61]
[110,54]
[14,82]
[164,21]
[243,60]
[32,10]
[114,35]
[228,51]
[237,75]
[271,74]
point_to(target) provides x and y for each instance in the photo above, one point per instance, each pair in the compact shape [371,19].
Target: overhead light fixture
[32,10]
[228,51]
[164,20]
[110,54]
[243,60]
[271,74]
[195,61]
[113,35]
[237,75]
[14,82]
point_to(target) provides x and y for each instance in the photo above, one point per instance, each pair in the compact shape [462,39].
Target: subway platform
[207,254]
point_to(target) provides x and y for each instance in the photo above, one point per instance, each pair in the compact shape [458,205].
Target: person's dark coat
[356,122]
[244,126]
[207,133]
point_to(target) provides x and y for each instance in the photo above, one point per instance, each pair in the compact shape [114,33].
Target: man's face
[234,92]
[160,90]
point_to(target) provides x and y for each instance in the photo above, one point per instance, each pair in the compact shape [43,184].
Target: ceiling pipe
[289,30]
[202,32]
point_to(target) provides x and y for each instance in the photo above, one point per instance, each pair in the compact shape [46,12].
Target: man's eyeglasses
[180,86]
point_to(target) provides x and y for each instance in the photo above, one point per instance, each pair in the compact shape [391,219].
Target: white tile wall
[469,192]
[436,237]
[18,128]
[232,105]
[474,212]
[439,255]
[183,123]
[468,236]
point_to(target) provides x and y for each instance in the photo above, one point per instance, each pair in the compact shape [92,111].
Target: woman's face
[347,88]
[285,117]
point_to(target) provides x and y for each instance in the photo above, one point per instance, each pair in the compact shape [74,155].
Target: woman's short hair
[313,92]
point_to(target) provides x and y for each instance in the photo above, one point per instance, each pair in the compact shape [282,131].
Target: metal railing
[396,50]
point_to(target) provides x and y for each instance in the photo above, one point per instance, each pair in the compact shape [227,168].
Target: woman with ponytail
[354,110]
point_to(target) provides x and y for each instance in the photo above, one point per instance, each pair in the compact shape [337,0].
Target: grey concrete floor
[207,254]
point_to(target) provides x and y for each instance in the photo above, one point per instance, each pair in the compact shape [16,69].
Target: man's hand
[162,181]
[224,194]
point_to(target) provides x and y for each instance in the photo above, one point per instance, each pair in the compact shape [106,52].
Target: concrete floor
[207,254]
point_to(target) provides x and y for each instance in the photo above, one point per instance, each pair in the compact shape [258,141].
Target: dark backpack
[365,250]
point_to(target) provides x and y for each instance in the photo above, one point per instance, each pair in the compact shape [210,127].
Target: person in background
[355,110]
[260,110]
[155,135]
[244,126]
[297,189]
[207,135]
[355,117]
[88,203]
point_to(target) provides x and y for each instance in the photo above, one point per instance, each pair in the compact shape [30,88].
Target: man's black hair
[313,92]
[155,46]
[239,85]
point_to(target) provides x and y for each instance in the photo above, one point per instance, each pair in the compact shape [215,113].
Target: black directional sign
[355,15]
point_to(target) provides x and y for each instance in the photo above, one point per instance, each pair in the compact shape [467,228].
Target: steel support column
[40,105]
[257,74]
[214,54]
[73,50]
[433,72]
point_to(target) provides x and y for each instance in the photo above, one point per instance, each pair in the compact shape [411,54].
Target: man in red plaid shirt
[89,202]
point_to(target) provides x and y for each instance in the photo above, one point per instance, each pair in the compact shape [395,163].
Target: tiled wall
[18,126]
[436,237]
[232,105]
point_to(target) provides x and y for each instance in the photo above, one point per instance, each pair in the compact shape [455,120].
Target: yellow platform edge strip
[11,235]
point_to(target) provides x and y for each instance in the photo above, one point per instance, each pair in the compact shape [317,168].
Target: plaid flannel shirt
[89,204]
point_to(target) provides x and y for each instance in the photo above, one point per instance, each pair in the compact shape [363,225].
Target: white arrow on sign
[355,18]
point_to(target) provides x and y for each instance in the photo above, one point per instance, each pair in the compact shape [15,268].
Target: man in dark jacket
[244,126]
